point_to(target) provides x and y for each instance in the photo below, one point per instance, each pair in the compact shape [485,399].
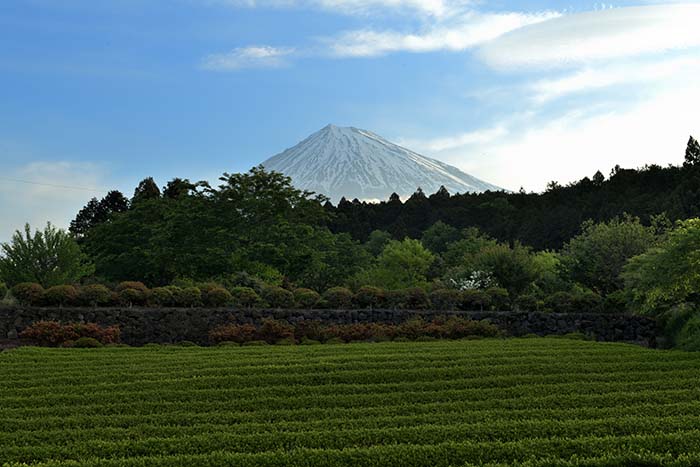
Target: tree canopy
[49,257]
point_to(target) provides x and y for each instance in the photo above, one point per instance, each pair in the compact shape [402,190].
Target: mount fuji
[353,163]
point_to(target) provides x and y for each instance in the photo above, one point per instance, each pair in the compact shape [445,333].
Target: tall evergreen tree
[692,153]
[147,189]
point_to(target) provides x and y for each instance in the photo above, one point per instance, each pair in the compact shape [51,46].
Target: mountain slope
[354,163]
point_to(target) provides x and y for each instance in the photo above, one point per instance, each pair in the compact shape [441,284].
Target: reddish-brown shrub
[411,329]
[272,330]
[239,333]
[359,332]
[53,333]
[108,335]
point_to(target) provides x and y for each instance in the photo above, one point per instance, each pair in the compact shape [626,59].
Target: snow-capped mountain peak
[354,163]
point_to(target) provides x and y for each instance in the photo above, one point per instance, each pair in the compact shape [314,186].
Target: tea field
[536,402]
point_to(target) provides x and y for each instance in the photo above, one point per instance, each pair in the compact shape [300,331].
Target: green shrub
[339,298]
[245,297]
[369,297]
[689,336]
[28,293]
[587,302]
[560,302]
[130,297]
[187,344]
[528,302]
[417,299]
[444,299]
[499,298]
[615,302]
[162,296]
[3,291]
[94,295]
[189,297]
[474,300]
[306,298]
[277,297]
[238,333]
[217,297]
[86,343]
[395,299]
[60,295]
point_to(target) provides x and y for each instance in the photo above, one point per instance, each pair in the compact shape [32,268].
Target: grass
[444,403]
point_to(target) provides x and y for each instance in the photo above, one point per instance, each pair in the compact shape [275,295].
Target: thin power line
[67,187]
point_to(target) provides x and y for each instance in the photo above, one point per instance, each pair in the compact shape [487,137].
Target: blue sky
[100,94]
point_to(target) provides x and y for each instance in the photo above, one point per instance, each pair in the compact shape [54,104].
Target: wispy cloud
[596,78]
[482,136]
[57,190]
[247,57]
[461,33]
[435,8]
[577,39]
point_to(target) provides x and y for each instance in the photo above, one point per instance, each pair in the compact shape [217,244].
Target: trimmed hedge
[210,294]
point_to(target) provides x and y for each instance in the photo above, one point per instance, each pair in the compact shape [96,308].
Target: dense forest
[541,220]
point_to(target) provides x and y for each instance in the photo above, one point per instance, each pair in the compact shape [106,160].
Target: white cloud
[247,57]
[482,136]
[457,34]
[592,78]
[58,191]
[598,35]
[575,144]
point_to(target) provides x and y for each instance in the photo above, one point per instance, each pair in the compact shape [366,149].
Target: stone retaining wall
[169,325]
